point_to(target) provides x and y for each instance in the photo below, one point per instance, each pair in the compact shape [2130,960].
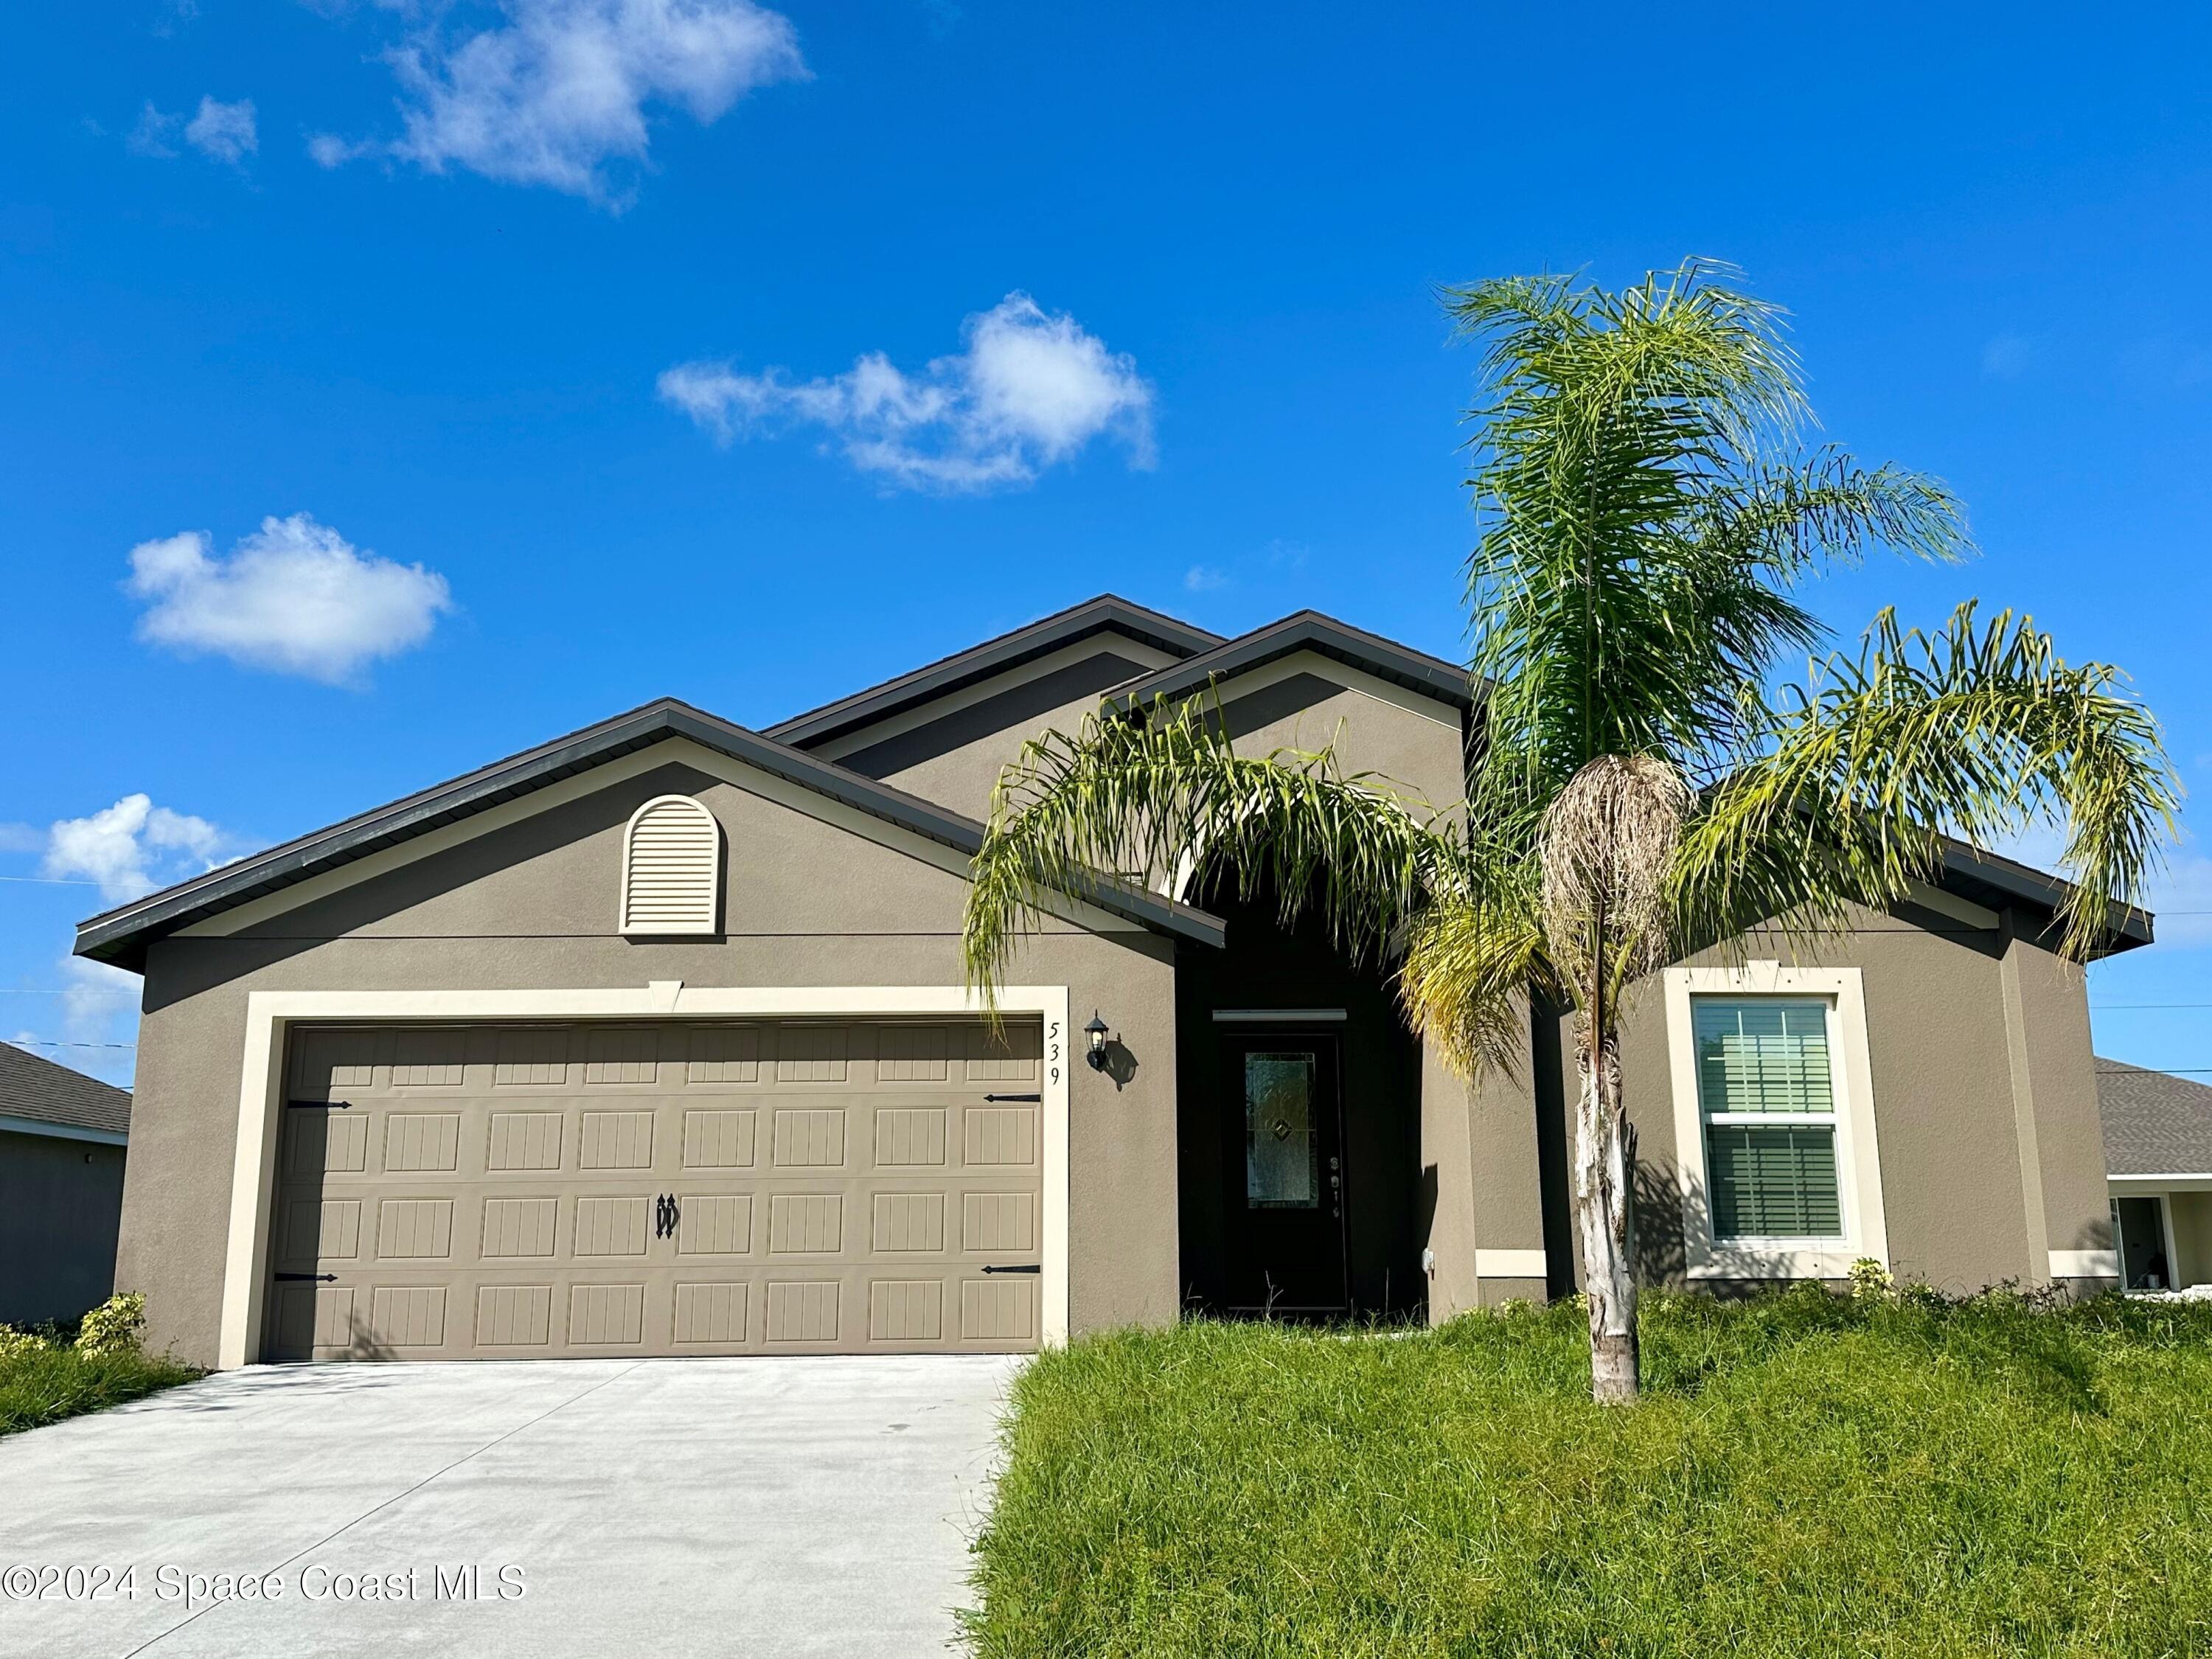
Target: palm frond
[1144,800]
[1975,732]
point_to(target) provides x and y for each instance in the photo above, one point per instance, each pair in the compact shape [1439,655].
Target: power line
[41,1043]
[51,881]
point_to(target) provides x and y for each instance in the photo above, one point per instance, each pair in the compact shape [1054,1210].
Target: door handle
[665,1215]
[317,1279]
[1029,1268]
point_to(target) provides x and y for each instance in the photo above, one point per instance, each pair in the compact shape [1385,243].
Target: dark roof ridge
[993,656]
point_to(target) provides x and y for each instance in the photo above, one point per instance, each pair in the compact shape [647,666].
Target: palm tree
[1645,786]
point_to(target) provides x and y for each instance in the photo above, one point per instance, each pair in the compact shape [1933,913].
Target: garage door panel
[733,1188]
[719,1137]
[421,1140]
[514,1315]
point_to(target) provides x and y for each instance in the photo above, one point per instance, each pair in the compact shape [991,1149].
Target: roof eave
[1106,613]
[1306,631]
[120,937]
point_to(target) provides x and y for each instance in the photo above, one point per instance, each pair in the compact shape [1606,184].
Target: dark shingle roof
[34,1088]
[2156,1123]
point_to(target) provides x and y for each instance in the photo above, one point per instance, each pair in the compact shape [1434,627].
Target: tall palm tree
[1645,785]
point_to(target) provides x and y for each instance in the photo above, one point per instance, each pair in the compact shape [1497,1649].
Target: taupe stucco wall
[956,764]
[2053,1001]
[59,1200]
[533,906]
[1940,1045]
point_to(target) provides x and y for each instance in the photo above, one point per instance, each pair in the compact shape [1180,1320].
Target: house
[2158,1158]
[653,1039]
[62,1141]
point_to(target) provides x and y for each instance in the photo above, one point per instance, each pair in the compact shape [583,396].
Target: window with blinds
[672,868]
[1766,1092]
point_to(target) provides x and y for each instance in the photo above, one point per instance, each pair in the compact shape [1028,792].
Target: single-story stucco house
[653,1039]
[62,1140]
[2158,1156]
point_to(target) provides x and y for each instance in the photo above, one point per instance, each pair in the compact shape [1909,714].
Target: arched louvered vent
[672,868]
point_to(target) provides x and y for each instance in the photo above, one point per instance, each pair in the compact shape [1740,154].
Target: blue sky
[376,401]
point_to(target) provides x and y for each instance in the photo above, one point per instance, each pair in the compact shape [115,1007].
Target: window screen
[1766,1092]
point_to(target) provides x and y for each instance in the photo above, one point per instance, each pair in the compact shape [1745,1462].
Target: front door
[1285,1164]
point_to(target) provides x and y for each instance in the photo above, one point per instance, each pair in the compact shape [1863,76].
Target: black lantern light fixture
[1096,1032]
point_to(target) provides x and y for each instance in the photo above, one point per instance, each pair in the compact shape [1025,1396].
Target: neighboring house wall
[1978,1186]
[532,904]
[59,1201]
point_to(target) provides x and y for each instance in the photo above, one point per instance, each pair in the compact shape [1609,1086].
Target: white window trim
[712,925]
[1858,1163]
[270,1016]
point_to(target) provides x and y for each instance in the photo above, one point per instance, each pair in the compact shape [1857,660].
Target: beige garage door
[512,1191]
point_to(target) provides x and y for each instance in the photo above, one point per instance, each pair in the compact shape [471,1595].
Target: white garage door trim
[270,1014]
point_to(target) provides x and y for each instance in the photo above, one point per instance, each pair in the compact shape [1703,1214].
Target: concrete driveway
[662,1507]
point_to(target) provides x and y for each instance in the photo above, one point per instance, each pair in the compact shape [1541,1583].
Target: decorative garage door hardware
[317,1279]
[993,1098]
[1025,1267]
[665,1215]
[320,1105]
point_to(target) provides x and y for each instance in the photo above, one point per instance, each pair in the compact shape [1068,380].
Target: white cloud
[1031,389]
[132,848]
[96,1000]
[562,89]
[225,132]
[295,598]
[21,838]
[155,134]
[1204,578]
[328,150]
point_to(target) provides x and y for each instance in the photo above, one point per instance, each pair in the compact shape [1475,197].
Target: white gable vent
[672,868]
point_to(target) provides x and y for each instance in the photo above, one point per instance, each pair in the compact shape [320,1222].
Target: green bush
[45,1376]
[113,1327]
[1883,1474]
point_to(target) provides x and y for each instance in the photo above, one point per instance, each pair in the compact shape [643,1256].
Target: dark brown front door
[1284,1162]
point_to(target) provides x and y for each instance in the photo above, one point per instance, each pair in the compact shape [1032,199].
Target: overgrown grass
[44,1382]
[1807,1476]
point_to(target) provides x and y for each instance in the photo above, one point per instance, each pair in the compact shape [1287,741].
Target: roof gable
[121,936]
[1105,614]
[1306,630]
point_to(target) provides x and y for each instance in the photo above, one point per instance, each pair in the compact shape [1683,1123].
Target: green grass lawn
[44,1383]
[1807,1476]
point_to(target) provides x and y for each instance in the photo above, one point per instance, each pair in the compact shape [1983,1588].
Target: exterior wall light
[1096,1032]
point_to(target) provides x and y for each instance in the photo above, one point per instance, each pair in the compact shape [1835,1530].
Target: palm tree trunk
[1605,1160]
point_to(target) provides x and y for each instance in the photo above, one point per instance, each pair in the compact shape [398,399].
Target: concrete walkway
[659,1507]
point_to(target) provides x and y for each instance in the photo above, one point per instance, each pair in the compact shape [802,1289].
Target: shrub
[113,1327]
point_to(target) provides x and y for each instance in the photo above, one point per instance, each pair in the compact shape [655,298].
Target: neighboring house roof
[121,935]
[2156,1123]
[1108,613]
[40,1097]
[1305,630]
